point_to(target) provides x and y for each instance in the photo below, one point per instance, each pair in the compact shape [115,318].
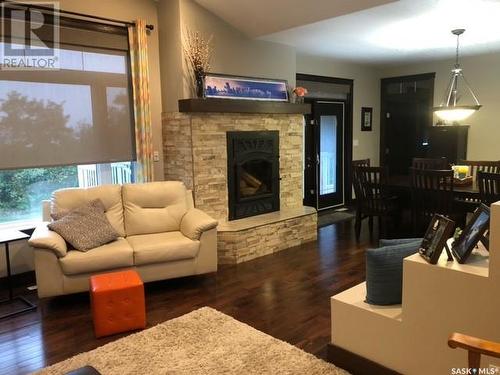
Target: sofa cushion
[162,247]
[384,272]
[154,207]
[109,195]
[116,254]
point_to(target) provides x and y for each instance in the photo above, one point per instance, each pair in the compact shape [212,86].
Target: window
[65,127]
[80,114]
[23,190]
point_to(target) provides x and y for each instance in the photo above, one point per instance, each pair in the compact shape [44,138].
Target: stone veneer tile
[194,146]
[195,153]
[237,247]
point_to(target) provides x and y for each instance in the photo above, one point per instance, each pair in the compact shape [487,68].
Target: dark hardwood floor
[286,295]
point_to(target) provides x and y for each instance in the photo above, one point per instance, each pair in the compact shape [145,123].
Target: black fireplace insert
[253,173]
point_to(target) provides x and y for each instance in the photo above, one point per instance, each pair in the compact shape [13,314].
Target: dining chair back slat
[489,187]
[432,193]
[425,163]
[356,182]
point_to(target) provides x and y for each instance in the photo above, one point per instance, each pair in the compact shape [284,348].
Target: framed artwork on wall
[366,119]
[223,86]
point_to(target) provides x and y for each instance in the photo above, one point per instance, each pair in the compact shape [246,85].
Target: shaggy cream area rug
[204,341]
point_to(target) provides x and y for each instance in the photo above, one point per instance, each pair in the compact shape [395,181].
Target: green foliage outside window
[21,191]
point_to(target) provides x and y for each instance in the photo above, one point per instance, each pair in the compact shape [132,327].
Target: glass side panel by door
[328,155]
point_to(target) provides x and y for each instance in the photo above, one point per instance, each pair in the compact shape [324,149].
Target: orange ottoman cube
[117,302]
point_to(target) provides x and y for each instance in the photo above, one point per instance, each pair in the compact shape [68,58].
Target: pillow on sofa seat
[384,272]
[85,227]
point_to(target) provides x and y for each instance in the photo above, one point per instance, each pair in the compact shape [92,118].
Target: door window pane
[328,155]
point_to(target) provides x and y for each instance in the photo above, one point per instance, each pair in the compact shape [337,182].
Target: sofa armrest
[44,238]
[195,222]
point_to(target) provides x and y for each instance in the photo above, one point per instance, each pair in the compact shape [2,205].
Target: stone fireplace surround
[195,152]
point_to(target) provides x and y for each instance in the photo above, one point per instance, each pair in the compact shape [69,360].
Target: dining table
[466,197]
[463,192]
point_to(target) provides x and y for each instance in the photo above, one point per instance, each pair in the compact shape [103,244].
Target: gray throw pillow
[397,241]
[97,203]
[85,227]
[384,272]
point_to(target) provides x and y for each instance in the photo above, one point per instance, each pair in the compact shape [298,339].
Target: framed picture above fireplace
[224,86]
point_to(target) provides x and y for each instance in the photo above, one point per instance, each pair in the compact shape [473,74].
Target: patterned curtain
[142,111]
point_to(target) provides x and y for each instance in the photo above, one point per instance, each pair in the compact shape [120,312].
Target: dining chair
[489,187]
[425,163]
[356,184]
[374,199]
[361,163]
[469,204]
[432,193]
[484,166]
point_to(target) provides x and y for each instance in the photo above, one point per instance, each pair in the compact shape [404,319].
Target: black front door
[324,155]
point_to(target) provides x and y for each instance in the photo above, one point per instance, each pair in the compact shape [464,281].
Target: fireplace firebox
[253,173]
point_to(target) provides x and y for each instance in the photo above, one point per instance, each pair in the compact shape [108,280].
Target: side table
[6,237]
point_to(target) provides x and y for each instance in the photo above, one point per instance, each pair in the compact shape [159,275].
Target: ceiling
[372,32]
[262,17]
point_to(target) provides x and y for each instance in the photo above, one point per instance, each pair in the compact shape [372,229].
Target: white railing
[96,174]
[87,176]
[328,173]
[121,173]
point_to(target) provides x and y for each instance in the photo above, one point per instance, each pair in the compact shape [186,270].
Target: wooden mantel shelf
[241,106]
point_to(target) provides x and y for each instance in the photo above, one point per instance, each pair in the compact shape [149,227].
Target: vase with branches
[198,52]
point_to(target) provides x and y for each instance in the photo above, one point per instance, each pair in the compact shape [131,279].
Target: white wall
[483,74]
[234,53]
[366,94]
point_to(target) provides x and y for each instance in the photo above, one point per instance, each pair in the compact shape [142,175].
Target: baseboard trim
[354,363]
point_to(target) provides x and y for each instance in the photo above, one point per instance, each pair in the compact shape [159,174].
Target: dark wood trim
[348,124]
[354,363]
[242,106]
[315,78]
[412,77]
[383,82]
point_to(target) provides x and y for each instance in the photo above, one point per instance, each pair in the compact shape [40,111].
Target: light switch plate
[156,156]
[355,142]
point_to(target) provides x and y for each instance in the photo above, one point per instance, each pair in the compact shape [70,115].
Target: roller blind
[78,114]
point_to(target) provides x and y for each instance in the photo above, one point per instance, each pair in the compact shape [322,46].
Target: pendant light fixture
[450,108]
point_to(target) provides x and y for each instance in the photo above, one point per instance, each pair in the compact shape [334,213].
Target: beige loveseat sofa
[162,236]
